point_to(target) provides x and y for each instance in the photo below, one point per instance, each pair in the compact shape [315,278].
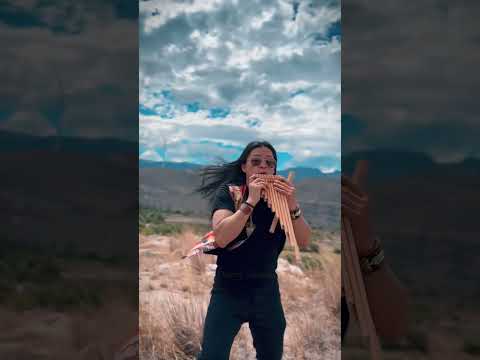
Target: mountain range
[174,190]
[84,195]
[300,172]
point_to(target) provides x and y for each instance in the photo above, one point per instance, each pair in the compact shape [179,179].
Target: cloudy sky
[216,74]
[69,68]
[409,77]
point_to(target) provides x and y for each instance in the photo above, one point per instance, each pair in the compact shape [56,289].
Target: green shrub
[150,216]
[59,296]
[289,257]
[162,229]
[472,346]
[313,247]
[310,262]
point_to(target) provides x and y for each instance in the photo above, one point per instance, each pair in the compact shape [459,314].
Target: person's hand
[355,209]
[255,187]
[285,187]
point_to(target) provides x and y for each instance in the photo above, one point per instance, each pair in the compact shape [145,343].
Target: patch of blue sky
[160,151]
[283,158]
[322,162]
[146,111]
[298,92]
[166,94]
[165,110]
[185,142]
[253,123]
[218,113]
[142,148]
[192,107]
[334,30]
[227,152]
[295,5]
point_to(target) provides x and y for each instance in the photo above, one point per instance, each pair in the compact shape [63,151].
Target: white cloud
[151,155]
[258,21]
[51,70]
[277,81]
[160,12]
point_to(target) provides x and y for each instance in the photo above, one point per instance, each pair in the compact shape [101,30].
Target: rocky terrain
[174,295]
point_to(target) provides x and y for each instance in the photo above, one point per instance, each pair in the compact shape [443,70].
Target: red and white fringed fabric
[207,243]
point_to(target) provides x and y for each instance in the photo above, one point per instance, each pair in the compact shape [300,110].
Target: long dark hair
[214,176]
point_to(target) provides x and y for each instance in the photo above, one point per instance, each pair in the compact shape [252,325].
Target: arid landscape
[174,295]
[68,247]
[58,308]
[55,285]
[429,243]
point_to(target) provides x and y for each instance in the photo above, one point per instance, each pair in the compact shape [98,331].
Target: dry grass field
[174,295]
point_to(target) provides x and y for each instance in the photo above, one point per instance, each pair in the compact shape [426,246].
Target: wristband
[246,202]
[246,208]
[373,262]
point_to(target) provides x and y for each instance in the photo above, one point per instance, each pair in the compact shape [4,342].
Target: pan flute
[354,286]
[277,202]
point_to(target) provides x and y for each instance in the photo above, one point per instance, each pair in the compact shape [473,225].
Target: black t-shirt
[256,259]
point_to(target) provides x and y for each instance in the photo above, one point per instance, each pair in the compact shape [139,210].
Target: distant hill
[68,195]
[387,163]
[426,214]
[167,164]
[10,141]
[300,172]
[305,173]
[172,189]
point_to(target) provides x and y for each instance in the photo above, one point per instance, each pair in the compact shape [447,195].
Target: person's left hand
[355,207]
[283,186]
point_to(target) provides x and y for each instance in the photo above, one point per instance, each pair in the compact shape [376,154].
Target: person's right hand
[255,187]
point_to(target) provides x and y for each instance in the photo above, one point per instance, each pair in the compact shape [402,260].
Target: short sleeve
[222,200]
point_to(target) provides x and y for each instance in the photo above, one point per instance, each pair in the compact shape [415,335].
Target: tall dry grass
[171,319]
[313,312]
[171,328]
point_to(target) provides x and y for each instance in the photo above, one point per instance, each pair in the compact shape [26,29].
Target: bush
[289,257]
[472,346]
[30,268]
[162,229]
[310,263]
[59,296]
[313,247]
[150,216]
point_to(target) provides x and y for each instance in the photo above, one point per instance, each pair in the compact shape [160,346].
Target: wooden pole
[355,292]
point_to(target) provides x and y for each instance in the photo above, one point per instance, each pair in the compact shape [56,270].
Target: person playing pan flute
[245,287]
[387,297]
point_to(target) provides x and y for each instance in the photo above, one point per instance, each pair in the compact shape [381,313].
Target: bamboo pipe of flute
[279,205]
[354,286]
[291,174]
[286,221]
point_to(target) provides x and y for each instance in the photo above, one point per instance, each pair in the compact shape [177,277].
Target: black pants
[261,307]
